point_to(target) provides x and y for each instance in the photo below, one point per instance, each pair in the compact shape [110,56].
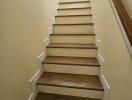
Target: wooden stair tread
[73,8]
[87,82]
[72,45]
[72,15]
[83,61]
[74,2]
[48,96]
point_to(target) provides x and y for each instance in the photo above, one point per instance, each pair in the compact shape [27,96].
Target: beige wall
[117,67]
[128,6]
[23,26]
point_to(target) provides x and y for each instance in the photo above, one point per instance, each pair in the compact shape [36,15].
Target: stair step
[72,45]
[73,19]
[71,61]
[74,8]
[75,52]
[73,38]
[48,96]
[74,11]
[74,5]
[74,2]
[87,82]
[73,28]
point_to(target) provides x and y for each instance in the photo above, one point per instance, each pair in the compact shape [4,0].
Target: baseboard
[37,75]
[33,96]
[34,80]
[100,59]
[106,86]
[40,59]
[45,42]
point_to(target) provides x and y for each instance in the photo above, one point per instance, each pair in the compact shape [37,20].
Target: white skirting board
[104,82]
[106,86]
[36,76]
[33,96]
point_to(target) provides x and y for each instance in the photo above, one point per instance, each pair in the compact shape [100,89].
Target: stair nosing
[41,93]
[71,64]
[72,34]
[90,23]
[72,15]
[75,87]
[75,57]
[73,8]
[73,47]
[74,2]
[70,87]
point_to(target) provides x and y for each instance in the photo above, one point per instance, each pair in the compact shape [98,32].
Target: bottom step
[70,84]
[47,96]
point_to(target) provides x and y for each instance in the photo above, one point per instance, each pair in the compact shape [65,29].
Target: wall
[128,6]
[23,26]
[117,67]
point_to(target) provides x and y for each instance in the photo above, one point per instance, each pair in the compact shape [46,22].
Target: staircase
[71,69]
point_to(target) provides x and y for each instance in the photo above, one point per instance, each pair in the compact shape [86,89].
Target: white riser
[72,52]
[72,0]
[74,12]
[71,91]
[74,29]
[71,69]
[76,19]
[73,39]
[75,5]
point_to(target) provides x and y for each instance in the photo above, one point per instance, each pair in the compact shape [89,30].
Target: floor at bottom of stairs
[47,96]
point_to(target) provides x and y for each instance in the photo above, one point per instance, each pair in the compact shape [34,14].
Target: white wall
[117,67]
[23,26]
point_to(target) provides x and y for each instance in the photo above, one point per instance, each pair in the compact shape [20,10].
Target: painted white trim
[34,79]
[36,76]
[50,30]
[106,86]
[101,58]
[45,44]
[33,82]
[104,82]
[98,41]
[40,59]
[45,40]
[121,27]
[33,96]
